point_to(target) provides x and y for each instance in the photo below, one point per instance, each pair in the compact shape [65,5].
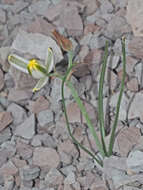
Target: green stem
[67,122]
[100,101]
[112,138]
[85,114]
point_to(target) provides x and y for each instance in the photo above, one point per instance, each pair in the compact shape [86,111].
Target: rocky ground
[36,152]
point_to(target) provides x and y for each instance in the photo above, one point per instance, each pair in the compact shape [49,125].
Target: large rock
[134,16]
[36,44]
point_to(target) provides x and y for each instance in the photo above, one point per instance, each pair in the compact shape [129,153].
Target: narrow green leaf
[66,117]
[100,100]
[112,137]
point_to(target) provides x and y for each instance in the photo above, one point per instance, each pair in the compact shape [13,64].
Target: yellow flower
[35,69]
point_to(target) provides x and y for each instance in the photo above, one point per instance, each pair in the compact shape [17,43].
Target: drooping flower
[34,68]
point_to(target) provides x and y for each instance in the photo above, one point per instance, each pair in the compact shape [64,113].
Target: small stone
[22,80]
[3,158]
[9,169]
[5,135]
[133,85]
[40,7]
[19,6]
[74,28]
[19,95]
[4,51]
[44,157]
[94,57]
[37,44]
[90,6]
[130,66]
[1,80]
[135,47]
[39,25]
[114,61]
[97,42]
[18,113]
[5,120]
[9,183]
[134,13]
[2,16]
[56,90]
[106,6]
[19,163]
[24,150]
[129,137]
[136,107]
[45,117]
[73,111]
[27,128]
[67,169]
[135,161]
[70,179]
[29,174]
[36,141]
[117,27]
[39,105]
[53,178]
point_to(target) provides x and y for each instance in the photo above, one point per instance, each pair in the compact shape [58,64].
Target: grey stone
[40,7]
[19,95]
[5,135]
[114,61]
[9,183]
[56,90]
[19,6]
[48,141]
[18,113]
[2,16]
[53,178]
[67,169]
[106,6]
[135,161]
[117,27]
[70,179]
[86,39]
[29,174]
[36,141]
[4,51]
[36,44]
[134,13]
[9,83]
[45,117]
[97,42]
[123,107]
[136,107]
[27,128]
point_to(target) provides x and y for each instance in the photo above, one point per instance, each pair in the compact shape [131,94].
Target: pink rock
[93,28]
[43,156]
[5,120]
[130,64]
[127,139]
[133,85]
[24,150]
[39,105]
[73,112]
[19,163]
[135,47]
[90,6]
[39,25]
[71,20]
[8,169]
[68,147]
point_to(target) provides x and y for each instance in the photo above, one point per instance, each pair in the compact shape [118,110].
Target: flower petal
[18,62]
[42,82]
[49,61]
